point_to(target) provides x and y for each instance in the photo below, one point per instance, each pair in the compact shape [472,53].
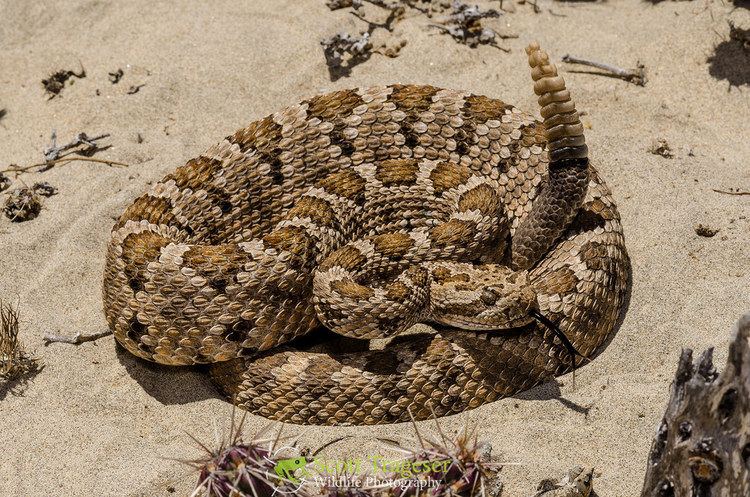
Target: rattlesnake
[369,210]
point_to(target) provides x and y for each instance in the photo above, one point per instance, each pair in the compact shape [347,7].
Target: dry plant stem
[730,193]
[76,339]
[9,345]
[16,366]
[634,76]
[63,160]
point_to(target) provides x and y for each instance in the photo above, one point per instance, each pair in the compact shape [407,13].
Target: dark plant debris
[661,147]
[388,45]
[4,182]
[739,35]
[465,26]
[3,113]
[535,5]
[396,12]
[705,231]
[731,58]
[135,89]
[21,205]
[636,76]
[344,51]
[343,4]
[16,366]
[44,189]
[54,84]
[115,77]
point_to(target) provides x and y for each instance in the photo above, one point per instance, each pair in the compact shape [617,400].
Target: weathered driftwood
[702,447]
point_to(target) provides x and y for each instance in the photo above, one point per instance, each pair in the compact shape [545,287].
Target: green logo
[285,468]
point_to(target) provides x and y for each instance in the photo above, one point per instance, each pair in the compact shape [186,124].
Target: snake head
[484,297]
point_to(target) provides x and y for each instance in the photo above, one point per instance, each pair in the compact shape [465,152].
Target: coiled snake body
[366,211]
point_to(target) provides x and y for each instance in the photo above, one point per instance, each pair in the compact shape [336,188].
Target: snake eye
[489,295]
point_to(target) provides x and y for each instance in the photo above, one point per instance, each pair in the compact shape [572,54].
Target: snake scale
[361,212]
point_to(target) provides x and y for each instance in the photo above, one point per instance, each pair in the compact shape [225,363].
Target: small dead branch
[701,446]
[16,366]
[54,84]
[636,76]
[53,151]
[725,192]
[76,339]
[53,154]
[63,160]
[536,7]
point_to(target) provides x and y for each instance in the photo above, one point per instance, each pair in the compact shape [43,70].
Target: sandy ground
[96,421]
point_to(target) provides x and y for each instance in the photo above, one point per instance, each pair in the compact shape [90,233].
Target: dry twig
[76,339]
[636,76]
[47,165]
[53,151]
[725,192]
[53,154]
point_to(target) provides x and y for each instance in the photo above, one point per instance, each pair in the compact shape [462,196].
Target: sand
[96,421]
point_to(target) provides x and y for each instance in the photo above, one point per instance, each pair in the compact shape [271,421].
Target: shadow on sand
[169,385]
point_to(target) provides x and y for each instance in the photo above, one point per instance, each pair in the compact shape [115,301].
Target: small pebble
[661,147]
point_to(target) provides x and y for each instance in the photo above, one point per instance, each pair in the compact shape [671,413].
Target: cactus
[236,468]
[457,467]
